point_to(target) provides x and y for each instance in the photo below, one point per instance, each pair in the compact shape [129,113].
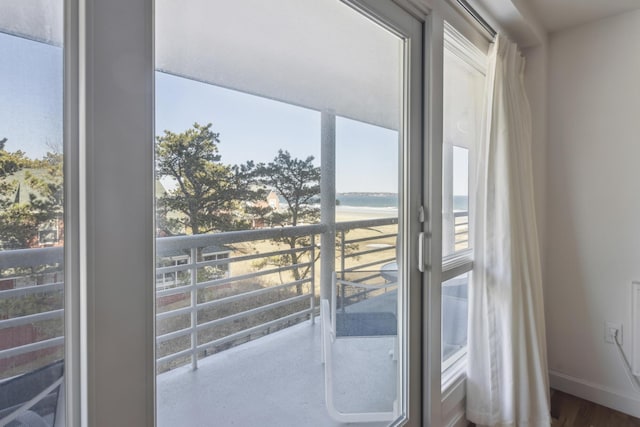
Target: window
[168,276]
[464,79]
[32,274]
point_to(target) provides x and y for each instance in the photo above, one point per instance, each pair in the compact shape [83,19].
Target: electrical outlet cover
[610,329]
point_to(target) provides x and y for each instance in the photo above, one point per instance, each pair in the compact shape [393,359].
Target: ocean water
[460,203]
[367,200]
[387,200]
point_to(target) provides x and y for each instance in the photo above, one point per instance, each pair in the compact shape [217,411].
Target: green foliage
[18,225]
[298,183]
[11,163]
[31,195]
[209,195]
[31,304]
[257,212]
[48,184]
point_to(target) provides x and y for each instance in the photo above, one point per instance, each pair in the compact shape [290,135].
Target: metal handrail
[31,257]
[461,229]
[51,260]
[229,237]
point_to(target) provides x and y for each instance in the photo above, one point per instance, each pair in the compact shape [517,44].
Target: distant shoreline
[368,194]
[352,213]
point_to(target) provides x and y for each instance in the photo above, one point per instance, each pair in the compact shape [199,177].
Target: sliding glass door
[241,207]
[286,234]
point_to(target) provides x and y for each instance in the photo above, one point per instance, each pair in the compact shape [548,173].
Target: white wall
[592,247]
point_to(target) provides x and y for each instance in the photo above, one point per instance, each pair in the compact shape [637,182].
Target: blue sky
[30,95]
[250,127]
[254,128]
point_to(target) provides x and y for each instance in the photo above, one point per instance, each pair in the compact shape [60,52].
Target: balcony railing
[206,312]
[211,304]
[31,309]
[461,229]
[258,292]
[256,283]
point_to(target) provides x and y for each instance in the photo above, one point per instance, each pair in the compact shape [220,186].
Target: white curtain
[507,379]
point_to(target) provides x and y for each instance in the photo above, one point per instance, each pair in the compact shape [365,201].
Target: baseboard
[453,404]
[597,393]
[460,420]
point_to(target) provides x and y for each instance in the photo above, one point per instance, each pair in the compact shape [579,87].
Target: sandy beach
[355,213]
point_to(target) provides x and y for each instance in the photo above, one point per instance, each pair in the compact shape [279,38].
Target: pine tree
[208,195]
[298,183]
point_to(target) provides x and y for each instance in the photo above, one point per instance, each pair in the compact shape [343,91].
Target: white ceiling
[318,54]
[556,15]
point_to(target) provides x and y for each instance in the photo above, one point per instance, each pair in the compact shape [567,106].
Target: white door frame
[115,211]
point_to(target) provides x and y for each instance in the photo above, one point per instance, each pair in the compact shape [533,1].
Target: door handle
[421,252]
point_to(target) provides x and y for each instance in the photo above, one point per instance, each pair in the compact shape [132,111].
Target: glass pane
[454,318]
[463,95]
[262,135]
[31,214]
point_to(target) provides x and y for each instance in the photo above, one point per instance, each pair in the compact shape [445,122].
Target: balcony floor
[278,380]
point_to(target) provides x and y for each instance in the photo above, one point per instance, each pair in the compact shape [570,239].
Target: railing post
[312,316]
[327,201]
[194,308]
[342,258]
[342,267]
[448,219]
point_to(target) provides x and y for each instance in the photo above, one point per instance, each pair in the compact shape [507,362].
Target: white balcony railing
[187,327]
[211,304]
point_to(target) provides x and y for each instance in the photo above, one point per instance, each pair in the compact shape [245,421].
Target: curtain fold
[507,376]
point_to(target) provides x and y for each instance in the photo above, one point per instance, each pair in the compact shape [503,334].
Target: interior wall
[593,205]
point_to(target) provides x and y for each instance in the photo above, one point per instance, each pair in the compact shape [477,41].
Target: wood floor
[571,411]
